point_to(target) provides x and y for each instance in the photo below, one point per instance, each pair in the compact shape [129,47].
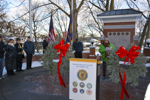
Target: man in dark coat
[29,49]
[78,47]
[1,57]
[10,57]
[20,55]
[45,44]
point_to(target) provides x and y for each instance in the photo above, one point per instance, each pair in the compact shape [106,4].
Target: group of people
[14,55]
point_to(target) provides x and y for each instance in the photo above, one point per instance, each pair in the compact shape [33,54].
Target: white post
[72,18]
[30,18]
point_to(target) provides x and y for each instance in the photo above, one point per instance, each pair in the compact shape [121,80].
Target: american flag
[52,37]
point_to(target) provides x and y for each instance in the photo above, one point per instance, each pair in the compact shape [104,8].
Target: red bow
[130,56]
[62,49]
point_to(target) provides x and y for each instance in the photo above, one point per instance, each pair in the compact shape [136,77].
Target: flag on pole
[69,36]
[52,37]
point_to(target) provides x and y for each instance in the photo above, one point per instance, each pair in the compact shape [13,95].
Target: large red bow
[130,56]
[62,49]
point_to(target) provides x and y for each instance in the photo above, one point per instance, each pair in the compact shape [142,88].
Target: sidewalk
[20,87]
[37,84]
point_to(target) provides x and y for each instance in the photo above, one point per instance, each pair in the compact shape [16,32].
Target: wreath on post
[133,71]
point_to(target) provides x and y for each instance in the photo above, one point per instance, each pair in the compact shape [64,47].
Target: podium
[84,79]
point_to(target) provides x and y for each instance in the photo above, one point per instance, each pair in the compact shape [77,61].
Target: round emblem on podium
[89,85]
[75,90]
[75,84]
[82,85]
[81,91]
[89,92]
[82,75]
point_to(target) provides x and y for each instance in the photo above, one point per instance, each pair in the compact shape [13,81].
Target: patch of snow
[91,55]
[56,60]
[85,51]
[146,47]
[34,64]
[147,65]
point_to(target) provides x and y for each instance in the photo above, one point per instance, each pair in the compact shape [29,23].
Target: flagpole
[30,18]
[72,19]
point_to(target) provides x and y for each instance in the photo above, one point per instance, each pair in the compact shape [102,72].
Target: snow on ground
[34,64]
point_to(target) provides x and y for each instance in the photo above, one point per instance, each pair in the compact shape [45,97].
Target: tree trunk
[75,21]
[107,5]
[112,5]
[36,42]
[143,35]
[75,25]
[148,31]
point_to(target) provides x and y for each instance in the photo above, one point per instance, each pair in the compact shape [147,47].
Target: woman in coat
[10,57]
[20,55]
[104,49]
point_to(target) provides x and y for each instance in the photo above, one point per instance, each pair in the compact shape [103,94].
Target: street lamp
[92,41]
[148,42]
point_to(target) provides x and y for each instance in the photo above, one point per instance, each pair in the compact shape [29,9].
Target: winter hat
[18,39]
[0,36]
[11,38]
[106,38]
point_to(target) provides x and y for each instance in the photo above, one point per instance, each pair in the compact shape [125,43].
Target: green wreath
[50,54]
[133,72]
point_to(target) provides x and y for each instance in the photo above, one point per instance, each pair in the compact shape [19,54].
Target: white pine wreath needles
[133,72]
[50,54]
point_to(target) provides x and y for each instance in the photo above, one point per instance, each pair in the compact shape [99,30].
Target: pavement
[19,87]
[38,84]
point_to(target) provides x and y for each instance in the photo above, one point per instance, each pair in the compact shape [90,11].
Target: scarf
[11,44]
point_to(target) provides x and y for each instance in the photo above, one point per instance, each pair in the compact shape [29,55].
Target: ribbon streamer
[62,49]
[130,56]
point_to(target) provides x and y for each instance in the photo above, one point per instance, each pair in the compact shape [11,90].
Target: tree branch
[69,3]
[96,6]
[59,8]
[82,2]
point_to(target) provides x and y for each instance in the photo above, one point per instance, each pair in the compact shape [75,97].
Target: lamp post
[30,17]
[148,43]
[92,41]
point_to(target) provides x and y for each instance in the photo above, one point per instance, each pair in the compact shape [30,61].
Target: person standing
[78,47]
[10,56]
[104,49]
[2,45]
[29,49]
[20,55]
[45,44]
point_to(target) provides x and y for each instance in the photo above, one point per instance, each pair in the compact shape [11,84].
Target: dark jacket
[29,47]
[19,51]
[2,46]
[10,57]
[45,44]
[78,47]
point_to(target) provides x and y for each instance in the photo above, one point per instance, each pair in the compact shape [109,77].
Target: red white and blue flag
[52,37]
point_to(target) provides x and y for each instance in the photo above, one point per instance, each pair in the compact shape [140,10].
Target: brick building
[120,26]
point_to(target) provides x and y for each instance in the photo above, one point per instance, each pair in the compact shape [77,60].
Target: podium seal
[89,92]
[75,84]
[89,85]
[82,75]
[75,90]
[82,85]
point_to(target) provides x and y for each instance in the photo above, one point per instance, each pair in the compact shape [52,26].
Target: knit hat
[11,38]
[18,39]
[0,36]
[106,38]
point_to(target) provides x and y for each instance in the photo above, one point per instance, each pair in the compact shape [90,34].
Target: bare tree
[136,5]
